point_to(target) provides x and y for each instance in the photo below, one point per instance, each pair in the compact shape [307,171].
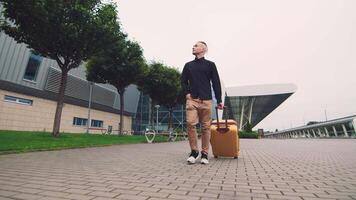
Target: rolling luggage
[224,137]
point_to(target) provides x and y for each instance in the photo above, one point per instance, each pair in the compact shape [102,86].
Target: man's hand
[188,96]
[220,106]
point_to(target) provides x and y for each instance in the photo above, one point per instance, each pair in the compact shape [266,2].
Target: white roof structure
[251,104]
[261,90]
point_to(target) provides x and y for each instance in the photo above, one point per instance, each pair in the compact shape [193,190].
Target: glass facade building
[146,117]
[245,104]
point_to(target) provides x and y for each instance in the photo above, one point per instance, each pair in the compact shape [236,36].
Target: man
[197,77]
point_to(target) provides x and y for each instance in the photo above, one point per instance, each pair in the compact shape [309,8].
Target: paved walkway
[267,169]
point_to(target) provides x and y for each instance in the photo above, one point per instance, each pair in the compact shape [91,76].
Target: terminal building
[29,85]
[251,104]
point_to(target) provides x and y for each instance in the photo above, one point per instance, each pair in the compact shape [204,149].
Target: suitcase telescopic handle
[217,120]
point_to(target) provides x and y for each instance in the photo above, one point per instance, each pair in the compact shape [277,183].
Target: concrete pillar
[242,113]
[345,131]
[354,126]
[335,132]
[326,132]
[313,133]
[250,111]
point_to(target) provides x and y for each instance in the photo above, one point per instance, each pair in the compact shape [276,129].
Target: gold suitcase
[224,139]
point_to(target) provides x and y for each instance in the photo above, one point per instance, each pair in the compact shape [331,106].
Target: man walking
[197,77]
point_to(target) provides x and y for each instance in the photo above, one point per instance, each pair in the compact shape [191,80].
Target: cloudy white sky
[310,43]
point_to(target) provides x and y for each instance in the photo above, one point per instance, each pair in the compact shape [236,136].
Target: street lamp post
[157,107]
[89,104]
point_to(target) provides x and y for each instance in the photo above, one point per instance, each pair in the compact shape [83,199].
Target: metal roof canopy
[253,103]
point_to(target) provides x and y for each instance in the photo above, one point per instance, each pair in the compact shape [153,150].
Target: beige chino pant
[198,111]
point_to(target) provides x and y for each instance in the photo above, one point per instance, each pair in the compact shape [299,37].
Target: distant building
[344,127]
[28,93]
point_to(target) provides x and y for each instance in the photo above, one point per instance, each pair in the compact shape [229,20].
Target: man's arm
[185,81]
[215,79]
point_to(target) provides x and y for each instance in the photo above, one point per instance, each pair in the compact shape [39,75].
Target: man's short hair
[203,43]
[206,46]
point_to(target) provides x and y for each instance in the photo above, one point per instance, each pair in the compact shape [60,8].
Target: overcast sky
[310,43]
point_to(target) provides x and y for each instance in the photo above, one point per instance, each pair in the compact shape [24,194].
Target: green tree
[68,32]
[120,65]
[175,95]
[162,84]
[248,127]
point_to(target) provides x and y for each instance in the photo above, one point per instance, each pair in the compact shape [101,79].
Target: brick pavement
[303,169]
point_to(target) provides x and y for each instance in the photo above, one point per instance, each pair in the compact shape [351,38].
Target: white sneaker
[204,159]
[193,157]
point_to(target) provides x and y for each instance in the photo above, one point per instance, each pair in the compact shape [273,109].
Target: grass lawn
[23,141]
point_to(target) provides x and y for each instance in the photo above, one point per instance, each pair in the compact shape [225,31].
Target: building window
[18,100]
[80,121]
[32,67]
[97,123]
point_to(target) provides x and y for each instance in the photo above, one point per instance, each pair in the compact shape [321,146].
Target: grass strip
[24,141]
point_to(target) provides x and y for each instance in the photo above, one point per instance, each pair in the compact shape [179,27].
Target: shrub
[244,134]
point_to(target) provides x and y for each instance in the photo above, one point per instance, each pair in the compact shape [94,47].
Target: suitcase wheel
[215,156]
[235,157]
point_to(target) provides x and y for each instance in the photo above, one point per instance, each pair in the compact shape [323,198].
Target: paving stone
[99,188]
[104,194]
[202,194]
[178,192]
[5,193]
[169,187]
[79,197]
[274,196]
[131,197]
[54,194]
[155,198]
[78,191]
[53,188]
[55,198]
[26,196]
[5,198]
[146,189]
[30,190]
[102,198]
[266,168]
[154,194]
[183,197]
[123,191]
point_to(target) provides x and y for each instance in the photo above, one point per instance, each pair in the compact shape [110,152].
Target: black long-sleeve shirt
[196,77]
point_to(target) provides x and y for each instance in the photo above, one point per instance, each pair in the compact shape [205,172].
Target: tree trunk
[170,122]
[60,100]
[121,111]
[152,124]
